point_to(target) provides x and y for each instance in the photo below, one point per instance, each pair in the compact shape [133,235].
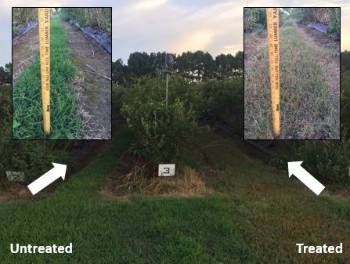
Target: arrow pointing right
[58,170]
[295,168]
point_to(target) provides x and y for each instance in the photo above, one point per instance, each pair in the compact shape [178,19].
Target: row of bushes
[255,18]
[21,17]
[24,15]
[163,130]
[100,18]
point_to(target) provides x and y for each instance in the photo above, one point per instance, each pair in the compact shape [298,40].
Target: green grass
[310,89]
[145,230]
[27,118]
[255,215]
[272,211]
[15,30]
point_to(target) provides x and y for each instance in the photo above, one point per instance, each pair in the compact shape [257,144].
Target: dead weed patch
[142,179]
[13,192]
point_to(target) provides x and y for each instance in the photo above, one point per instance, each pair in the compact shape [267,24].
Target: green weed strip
[27,116]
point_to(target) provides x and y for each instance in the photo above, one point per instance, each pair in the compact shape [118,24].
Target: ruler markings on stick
[272,16]
[44,43]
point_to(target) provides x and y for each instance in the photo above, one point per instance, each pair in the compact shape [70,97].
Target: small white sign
[166,170]
[15,176]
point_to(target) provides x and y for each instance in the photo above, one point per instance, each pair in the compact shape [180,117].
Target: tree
[6,73]
[158,61]
[197,65]
[254,19]
[345,60]
[120,73]
[139,64]
[228,65]
[238,64]
[224,65]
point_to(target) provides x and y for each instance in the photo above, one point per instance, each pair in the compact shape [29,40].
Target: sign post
[44,41]
[272,16]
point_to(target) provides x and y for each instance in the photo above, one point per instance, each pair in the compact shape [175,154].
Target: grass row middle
[27,116]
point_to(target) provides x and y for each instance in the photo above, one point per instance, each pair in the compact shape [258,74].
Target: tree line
[141,63]
[195,66]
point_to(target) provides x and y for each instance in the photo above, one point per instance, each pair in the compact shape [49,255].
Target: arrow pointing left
[58,171]
[295,168]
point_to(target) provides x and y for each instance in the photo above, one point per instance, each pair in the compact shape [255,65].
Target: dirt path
[25,50]
[92,86]
[318,38]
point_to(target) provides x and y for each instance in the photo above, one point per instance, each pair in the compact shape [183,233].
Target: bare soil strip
[25,50]
[15,191]
[92,84]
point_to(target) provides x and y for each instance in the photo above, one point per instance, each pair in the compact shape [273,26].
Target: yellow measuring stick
[44,40]
[272,16]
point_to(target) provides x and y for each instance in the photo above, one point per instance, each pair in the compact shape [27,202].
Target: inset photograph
[62,73]
[292,73]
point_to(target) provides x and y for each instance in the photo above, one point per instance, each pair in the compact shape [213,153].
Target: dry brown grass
[188,183]
[14,191]
[310,87]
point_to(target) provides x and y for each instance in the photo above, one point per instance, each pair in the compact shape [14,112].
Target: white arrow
[58,170]
[295,168]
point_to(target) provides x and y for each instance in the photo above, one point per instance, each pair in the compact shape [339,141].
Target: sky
[174,26]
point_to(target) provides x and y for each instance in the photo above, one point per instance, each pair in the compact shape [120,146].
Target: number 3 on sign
[166,170]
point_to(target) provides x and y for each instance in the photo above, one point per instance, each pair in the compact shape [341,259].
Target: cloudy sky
[170,25]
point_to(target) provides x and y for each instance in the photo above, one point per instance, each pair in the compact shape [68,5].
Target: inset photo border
[74,100]
[308,69]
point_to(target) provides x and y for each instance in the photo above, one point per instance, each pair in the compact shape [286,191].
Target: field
[231,200]
[253,212]
[310,85]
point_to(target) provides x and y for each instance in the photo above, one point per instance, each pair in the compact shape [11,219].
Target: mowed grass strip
[27,116]
[272,211]
[310,90]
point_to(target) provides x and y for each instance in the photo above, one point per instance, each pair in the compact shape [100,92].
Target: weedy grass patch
[144,230]
[27,115]
[310,90]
